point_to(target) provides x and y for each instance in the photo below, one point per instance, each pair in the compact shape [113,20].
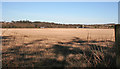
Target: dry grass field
[53,47]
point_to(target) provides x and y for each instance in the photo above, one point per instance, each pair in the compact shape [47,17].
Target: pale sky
[61,12]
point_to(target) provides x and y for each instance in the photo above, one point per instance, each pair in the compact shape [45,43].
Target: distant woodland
[38,24]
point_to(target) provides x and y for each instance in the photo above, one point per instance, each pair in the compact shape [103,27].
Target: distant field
[60,34]
[58,47]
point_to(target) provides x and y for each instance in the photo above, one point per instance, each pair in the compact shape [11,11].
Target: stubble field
[57,47]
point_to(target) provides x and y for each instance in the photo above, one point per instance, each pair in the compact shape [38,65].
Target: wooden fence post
[117,44]
[117,38]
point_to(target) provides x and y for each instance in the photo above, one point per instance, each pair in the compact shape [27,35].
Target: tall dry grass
[42,52]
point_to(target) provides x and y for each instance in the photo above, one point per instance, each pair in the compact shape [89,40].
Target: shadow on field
[7,39]
[98,56]
[62,54]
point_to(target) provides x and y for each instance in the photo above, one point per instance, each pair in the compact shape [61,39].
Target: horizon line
[63,23]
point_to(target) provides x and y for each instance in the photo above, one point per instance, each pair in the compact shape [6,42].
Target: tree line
[39,24]
[36,24]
